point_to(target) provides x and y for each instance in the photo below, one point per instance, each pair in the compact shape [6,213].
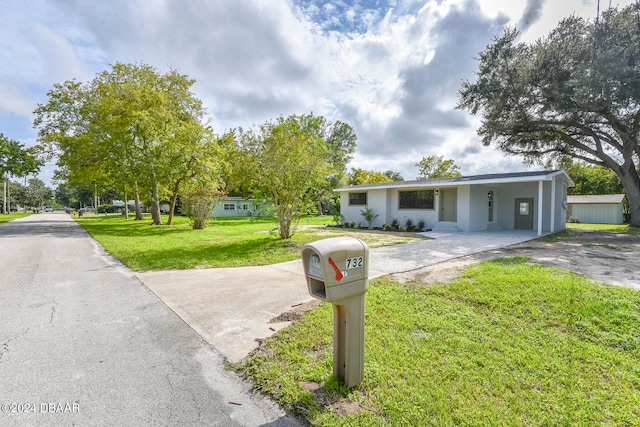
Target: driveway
[83,342]
[234,308]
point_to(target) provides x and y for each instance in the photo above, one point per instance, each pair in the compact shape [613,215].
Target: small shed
[596,209]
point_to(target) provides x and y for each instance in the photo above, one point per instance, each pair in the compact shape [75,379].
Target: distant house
[598,209]
[522,201]
[238,206]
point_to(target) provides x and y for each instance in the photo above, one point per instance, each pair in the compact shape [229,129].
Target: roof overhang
[492,179]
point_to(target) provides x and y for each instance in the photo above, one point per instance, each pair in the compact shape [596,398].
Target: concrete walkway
[231,307]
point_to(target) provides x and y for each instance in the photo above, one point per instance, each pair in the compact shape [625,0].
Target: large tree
[131,126]
[359,176]
[590,180]
[37,194]
[340,140]
[433,167]
[15,160]
[282,160]
[574,93]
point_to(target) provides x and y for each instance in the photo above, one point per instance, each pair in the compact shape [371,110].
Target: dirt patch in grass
[296,313]
[373,238]
[603,256]
[340,406]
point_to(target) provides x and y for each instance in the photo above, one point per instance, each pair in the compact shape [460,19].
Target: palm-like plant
[369,216]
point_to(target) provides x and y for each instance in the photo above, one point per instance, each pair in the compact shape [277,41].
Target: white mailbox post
[337,271]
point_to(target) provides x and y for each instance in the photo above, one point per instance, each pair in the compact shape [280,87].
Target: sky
[389,68]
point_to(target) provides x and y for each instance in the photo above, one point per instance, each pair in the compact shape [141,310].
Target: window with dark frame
[357,198]
[229,207]
[417,199]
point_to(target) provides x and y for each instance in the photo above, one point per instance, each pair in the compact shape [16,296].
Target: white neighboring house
[597,209]
[239,206]
[120,203]
[506,201]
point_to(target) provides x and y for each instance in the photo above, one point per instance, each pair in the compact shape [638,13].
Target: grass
[12,216]
[612,228]
[226,242]
[508,343]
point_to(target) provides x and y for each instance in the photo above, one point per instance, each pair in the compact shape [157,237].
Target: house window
[419,199]
[245,207]
[357,198]
[229,206]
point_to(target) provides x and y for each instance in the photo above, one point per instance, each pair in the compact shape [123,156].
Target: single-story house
[597,209]
[239,206]
[523,200]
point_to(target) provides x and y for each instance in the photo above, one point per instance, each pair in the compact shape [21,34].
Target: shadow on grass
[265,250]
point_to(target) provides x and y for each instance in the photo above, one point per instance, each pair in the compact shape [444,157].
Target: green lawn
[508,343]
[226,242]
[613,228]
[13,215]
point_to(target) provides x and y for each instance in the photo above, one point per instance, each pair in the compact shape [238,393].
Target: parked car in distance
[48,208]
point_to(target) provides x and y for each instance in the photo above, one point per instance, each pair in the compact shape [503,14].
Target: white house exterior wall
[430,216]
[350,213]
[560,212]
[479,207]
[505,204]
[377,200]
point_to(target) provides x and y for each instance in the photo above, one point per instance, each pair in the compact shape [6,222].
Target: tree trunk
[172,204]
[4,195]
[285,214]
[172,207]
[155,205]
[631,184]
[126,206]
[137,204]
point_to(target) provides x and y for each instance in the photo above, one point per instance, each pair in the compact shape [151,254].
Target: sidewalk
[231,307]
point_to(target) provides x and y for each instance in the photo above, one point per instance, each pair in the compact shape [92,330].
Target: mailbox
[336,268]
[337,271]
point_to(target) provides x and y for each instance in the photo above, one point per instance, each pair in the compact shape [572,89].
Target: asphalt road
[84,342]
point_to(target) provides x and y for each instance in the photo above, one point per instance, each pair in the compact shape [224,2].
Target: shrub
[409,224]
[369,216]
[574,220]
[336,215]
[199,199]
[395,223]
[105,209]
[422,224]
[385,226]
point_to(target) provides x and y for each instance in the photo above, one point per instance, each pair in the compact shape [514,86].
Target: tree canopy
[15,160]
[282,160]
[574,93]
[592,180]
[130,127]
[361,176]
[433,167]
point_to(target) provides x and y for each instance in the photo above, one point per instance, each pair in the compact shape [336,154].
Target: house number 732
[355,262]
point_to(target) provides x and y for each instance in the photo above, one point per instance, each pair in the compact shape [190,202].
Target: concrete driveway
[231,308]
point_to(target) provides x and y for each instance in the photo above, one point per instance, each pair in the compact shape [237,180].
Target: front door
[448,204]
[524,214]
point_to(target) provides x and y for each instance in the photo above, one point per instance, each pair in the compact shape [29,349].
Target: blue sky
[389,68]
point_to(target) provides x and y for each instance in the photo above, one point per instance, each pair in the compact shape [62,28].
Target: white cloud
[392,71]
